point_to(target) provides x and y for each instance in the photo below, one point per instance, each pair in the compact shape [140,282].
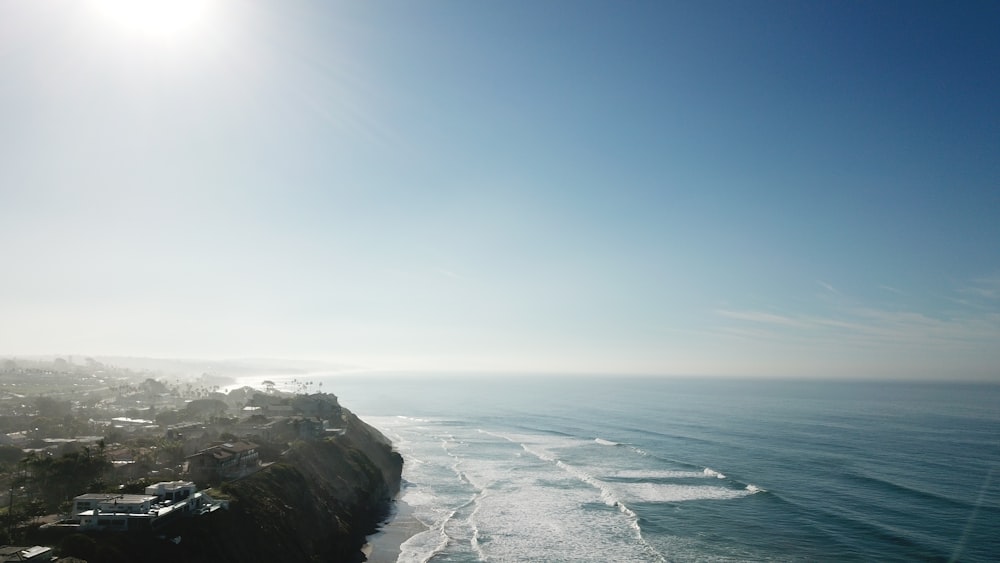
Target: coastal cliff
[316,504]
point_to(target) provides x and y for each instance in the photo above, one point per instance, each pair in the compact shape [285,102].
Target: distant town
[88,446]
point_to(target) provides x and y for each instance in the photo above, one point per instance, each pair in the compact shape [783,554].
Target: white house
[174,491]
[112,502]
[162,503]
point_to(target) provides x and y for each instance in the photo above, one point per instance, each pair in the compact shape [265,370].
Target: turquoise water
[642,469]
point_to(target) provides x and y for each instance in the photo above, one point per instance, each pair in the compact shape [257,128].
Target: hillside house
[9,553]
[174,491]
[112,502]
[224,461]
[162,503]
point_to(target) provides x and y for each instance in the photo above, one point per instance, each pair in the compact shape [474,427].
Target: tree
[206,408]
[166,418]
[62,478]
[78,545]
[10,454]
[34,508]
[170,451]
[52,408]
[152,387]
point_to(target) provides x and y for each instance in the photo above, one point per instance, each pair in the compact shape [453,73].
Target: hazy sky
[763,188]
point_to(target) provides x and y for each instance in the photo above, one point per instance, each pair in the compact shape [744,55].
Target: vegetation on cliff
[318,502]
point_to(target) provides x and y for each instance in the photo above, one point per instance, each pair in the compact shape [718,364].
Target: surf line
[606,495]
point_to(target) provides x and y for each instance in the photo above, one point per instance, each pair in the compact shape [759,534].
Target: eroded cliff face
[318,503]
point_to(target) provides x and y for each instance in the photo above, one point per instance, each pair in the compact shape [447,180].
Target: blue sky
[781,188]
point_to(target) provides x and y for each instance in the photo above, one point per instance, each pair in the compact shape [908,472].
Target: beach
[384,546]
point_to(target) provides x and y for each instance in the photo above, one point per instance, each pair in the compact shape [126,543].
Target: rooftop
[224,451]
[123,498]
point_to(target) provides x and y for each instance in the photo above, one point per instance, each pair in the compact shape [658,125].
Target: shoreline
[385,545]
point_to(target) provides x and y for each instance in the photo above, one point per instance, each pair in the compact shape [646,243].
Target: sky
[793,189]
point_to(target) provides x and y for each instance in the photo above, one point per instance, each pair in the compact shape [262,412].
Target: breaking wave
[485,494]
[709,472]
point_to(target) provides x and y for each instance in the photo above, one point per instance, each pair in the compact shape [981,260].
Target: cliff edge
[316,504]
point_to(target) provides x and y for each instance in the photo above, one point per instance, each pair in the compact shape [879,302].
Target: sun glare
[158,19]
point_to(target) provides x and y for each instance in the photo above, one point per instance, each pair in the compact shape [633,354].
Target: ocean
[657,469]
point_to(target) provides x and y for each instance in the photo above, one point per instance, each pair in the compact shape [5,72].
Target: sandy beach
[384,546]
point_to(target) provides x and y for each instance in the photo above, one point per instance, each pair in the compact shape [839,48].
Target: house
[181,429]
[133,424]
[224,461]
[112,511]
[287,429]
[119,456]
[174,491]
[308,428]
[317,405]
[279,410]
[112,502]
[162,503]
[10,553]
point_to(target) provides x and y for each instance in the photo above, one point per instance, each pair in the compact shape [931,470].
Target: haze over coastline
[786,189]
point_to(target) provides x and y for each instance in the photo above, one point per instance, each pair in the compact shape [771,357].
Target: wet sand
[384,546]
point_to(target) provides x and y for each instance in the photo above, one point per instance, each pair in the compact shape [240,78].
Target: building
[287,429]
[162,503]
[279,410]
[174,491]
[224,461]
[9,553]
[110,511]
[112,502]
[317,405]
[134,424]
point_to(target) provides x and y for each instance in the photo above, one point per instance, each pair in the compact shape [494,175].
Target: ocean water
[647,469]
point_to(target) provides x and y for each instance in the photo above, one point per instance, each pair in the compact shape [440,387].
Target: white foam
[657,474]
[411,418]
[491,496]
[755,489]
[474,542]
[417,497]
[414,459]
[422,547]
[607,496]
[425,545]
[540,454]
[552,524]
[657,492]
[709,472]
[548,441]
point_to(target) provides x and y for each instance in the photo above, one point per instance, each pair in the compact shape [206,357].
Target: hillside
[317,503]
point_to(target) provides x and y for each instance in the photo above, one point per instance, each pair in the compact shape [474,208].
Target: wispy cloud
[761,317]
[870,326]
[891,289]
[828,287]
[851,323]
[986,288]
